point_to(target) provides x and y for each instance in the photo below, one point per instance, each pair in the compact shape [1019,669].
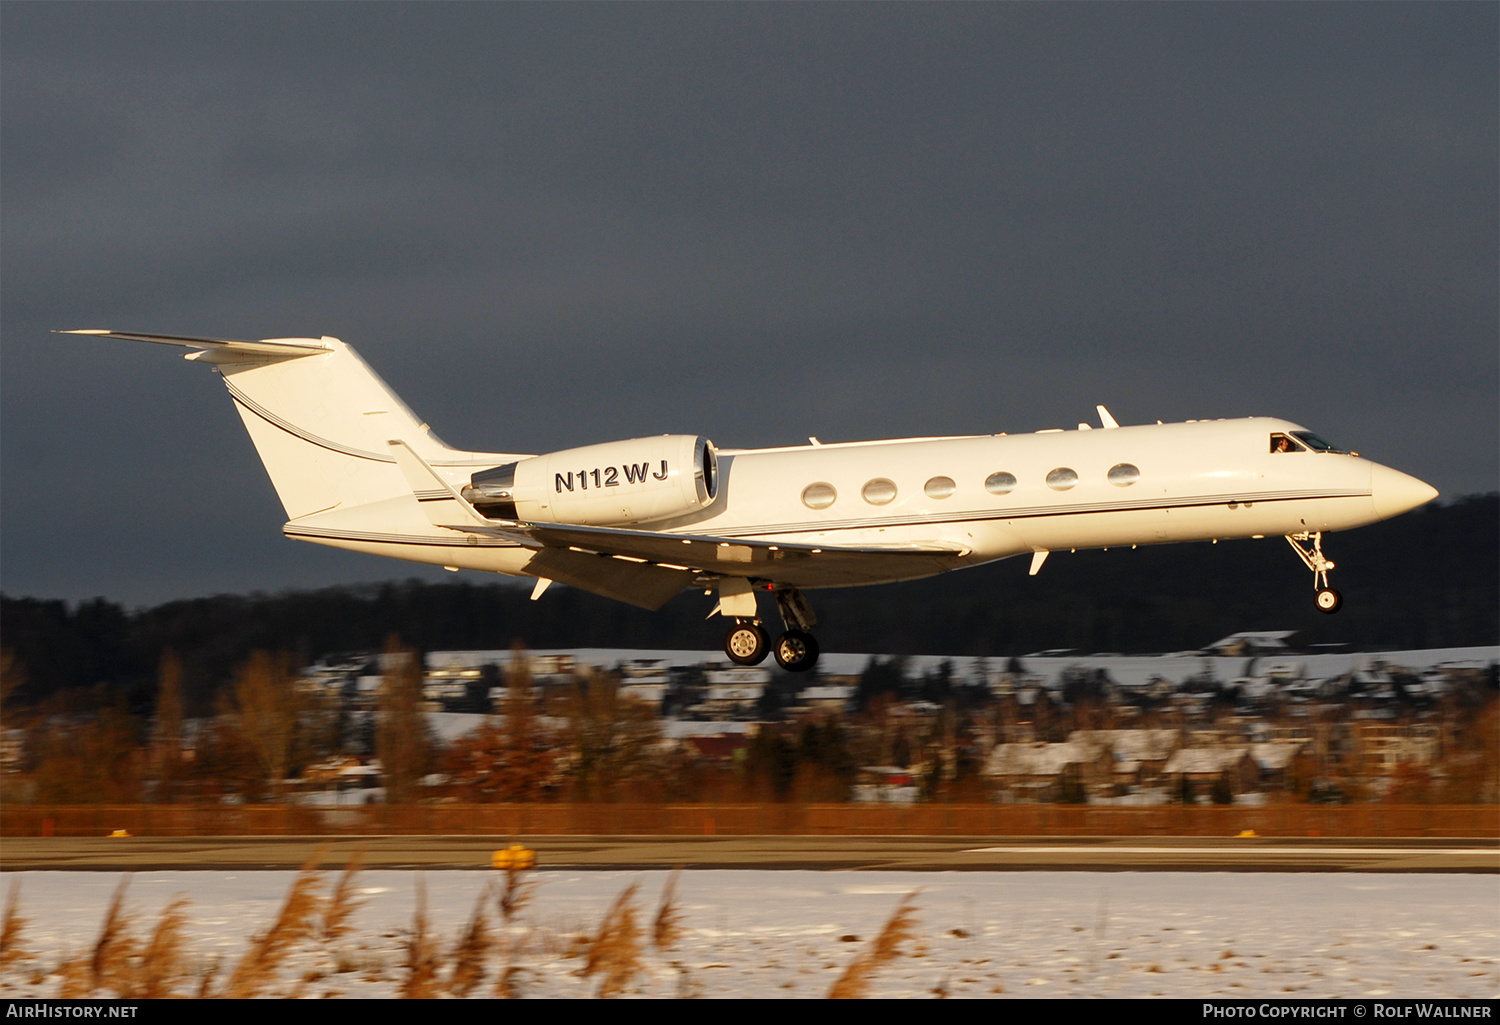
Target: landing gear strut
[746,643]
[1328,600]
[796,650]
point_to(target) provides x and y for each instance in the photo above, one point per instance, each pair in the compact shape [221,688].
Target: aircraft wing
[640,584]
[646,568]
[801,565]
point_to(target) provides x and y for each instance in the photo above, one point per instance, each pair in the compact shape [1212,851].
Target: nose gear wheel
[1328,599]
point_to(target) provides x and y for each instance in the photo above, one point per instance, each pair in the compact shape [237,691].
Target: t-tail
[320,418]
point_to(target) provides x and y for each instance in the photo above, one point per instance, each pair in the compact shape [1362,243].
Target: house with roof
[1041,771]
[1202,767]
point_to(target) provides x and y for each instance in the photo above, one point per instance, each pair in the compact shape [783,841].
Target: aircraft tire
[796,651]
[1329,600]
[746,644]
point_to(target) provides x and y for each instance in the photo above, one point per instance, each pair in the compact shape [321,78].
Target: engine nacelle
[609,485]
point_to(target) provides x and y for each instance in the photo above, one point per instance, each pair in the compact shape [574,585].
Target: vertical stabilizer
[320,418]
[321,425]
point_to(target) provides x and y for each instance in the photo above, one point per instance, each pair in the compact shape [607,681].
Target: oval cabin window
[1062,478]
[819,496]
[1123,475]
[1000,483]
[939,487]
[879,491]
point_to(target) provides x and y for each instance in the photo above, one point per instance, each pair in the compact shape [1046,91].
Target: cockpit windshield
[1316,443]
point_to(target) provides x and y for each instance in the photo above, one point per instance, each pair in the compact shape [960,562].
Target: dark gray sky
[549,225]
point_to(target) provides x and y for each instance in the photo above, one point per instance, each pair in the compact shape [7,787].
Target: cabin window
[1284,443]
[819,495]
[1122,475]
[1062,478]
[879,491]
[1000,483]
[939,487]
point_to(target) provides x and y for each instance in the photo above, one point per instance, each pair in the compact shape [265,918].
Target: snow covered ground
[793,933]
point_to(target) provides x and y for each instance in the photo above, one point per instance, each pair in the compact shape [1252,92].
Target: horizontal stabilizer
[221,350]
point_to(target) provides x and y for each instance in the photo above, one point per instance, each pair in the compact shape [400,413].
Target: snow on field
[792,933]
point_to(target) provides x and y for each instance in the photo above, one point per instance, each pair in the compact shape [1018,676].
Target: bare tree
[167,755]
[12,674]
[401,738]
[264,709]
[613,739]
[510,761]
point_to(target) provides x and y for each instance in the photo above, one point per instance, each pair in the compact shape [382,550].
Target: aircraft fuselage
[641,519]
[1185,482]
[1195,481]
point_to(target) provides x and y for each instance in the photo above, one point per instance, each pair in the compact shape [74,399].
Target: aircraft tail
[320,418]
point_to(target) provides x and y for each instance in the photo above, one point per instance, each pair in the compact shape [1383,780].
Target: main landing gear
[796,650]
[746,642]
[1328,600]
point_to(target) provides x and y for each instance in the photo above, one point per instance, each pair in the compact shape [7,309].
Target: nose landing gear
[1328,600]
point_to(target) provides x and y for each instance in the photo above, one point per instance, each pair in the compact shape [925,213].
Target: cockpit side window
[1315,443]
[1285,443]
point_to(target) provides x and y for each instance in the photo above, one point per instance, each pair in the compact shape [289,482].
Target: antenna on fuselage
[1108,421]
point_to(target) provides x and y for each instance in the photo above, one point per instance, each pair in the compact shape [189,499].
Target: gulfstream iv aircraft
[640,520]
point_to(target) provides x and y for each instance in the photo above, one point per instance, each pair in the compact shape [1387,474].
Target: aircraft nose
[1394,492]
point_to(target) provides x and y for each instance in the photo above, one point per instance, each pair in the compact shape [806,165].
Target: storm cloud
[550,225]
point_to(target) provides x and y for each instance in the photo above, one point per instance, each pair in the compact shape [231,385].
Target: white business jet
[639,520]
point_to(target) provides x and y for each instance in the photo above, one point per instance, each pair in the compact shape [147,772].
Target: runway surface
[1153,853]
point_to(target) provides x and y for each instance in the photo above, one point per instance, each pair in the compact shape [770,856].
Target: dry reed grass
[666,928]
[507,985]
[342,904]
[206,979]
[515,893]
[422,958]
[163,961]
[111,957]
[472,949]
[297,921]
[118,964]
[108,964]
[854,984]
[615,951]
[11,927]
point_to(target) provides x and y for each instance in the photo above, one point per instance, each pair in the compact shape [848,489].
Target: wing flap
[635,583]
[793,564]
